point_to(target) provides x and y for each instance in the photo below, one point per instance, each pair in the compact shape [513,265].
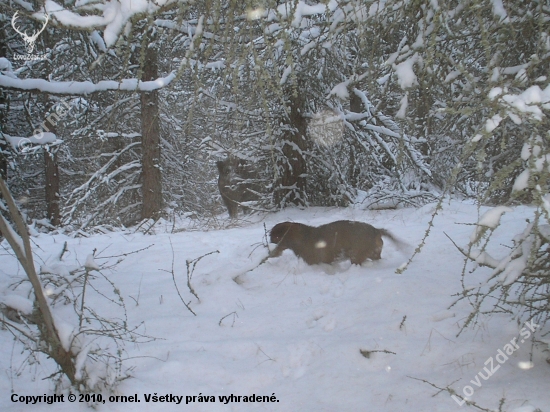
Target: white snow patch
[515,118]
[490,219]
[513,270]
[451,76]
[531,101]
[6,67]
[404,103]
[383,80]
[285,75]
[112,15]
[85,87]
[18,302]
[405,73]
[96,38]
[492,123]
[521,181]
[499,11]
[80,361]
[293,330]
[65,332]
[483,258]
[90,263]
[18,142]
[494,92]
[341,91]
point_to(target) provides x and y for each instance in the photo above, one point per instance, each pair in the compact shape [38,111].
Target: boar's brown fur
[343,239]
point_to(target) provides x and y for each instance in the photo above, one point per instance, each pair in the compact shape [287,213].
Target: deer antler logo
[30,40]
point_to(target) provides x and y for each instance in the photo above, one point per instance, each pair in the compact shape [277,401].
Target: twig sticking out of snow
[235,315]
[175,283]
[453,393]
[192,264]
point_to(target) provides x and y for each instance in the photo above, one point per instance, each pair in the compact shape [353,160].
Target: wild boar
[232,184]
[340,240]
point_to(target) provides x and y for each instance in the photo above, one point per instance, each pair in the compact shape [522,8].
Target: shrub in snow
[80,340]
[519,280]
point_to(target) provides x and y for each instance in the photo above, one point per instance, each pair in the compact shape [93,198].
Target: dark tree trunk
[355,106]
[3,155]
[293,167]
[3,143]
[52,186]
[150,142]
[3,110]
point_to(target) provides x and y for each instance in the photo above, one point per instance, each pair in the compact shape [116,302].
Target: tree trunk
[293,167]
[52,186]
[3,147]
[3,143]
[355,106]
[150,142]
[3,160]
[3,111]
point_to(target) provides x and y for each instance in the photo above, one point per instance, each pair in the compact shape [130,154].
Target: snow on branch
[114,16]
[84,88]
[20,143]
[391,129]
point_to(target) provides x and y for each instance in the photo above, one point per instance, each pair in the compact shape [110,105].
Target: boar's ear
[224,167]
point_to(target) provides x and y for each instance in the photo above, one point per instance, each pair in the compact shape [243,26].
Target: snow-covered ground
[291,331]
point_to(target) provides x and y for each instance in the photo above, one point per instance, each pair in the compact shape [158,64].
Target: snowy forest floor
[292,330]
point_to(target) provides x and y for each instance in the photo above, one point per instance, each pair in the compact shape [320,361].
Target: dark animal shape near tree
[334,241]
[234,183]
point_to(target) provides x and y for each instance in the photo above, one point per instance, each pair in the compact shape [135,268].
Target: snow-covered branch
[84,88]
[112,16]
